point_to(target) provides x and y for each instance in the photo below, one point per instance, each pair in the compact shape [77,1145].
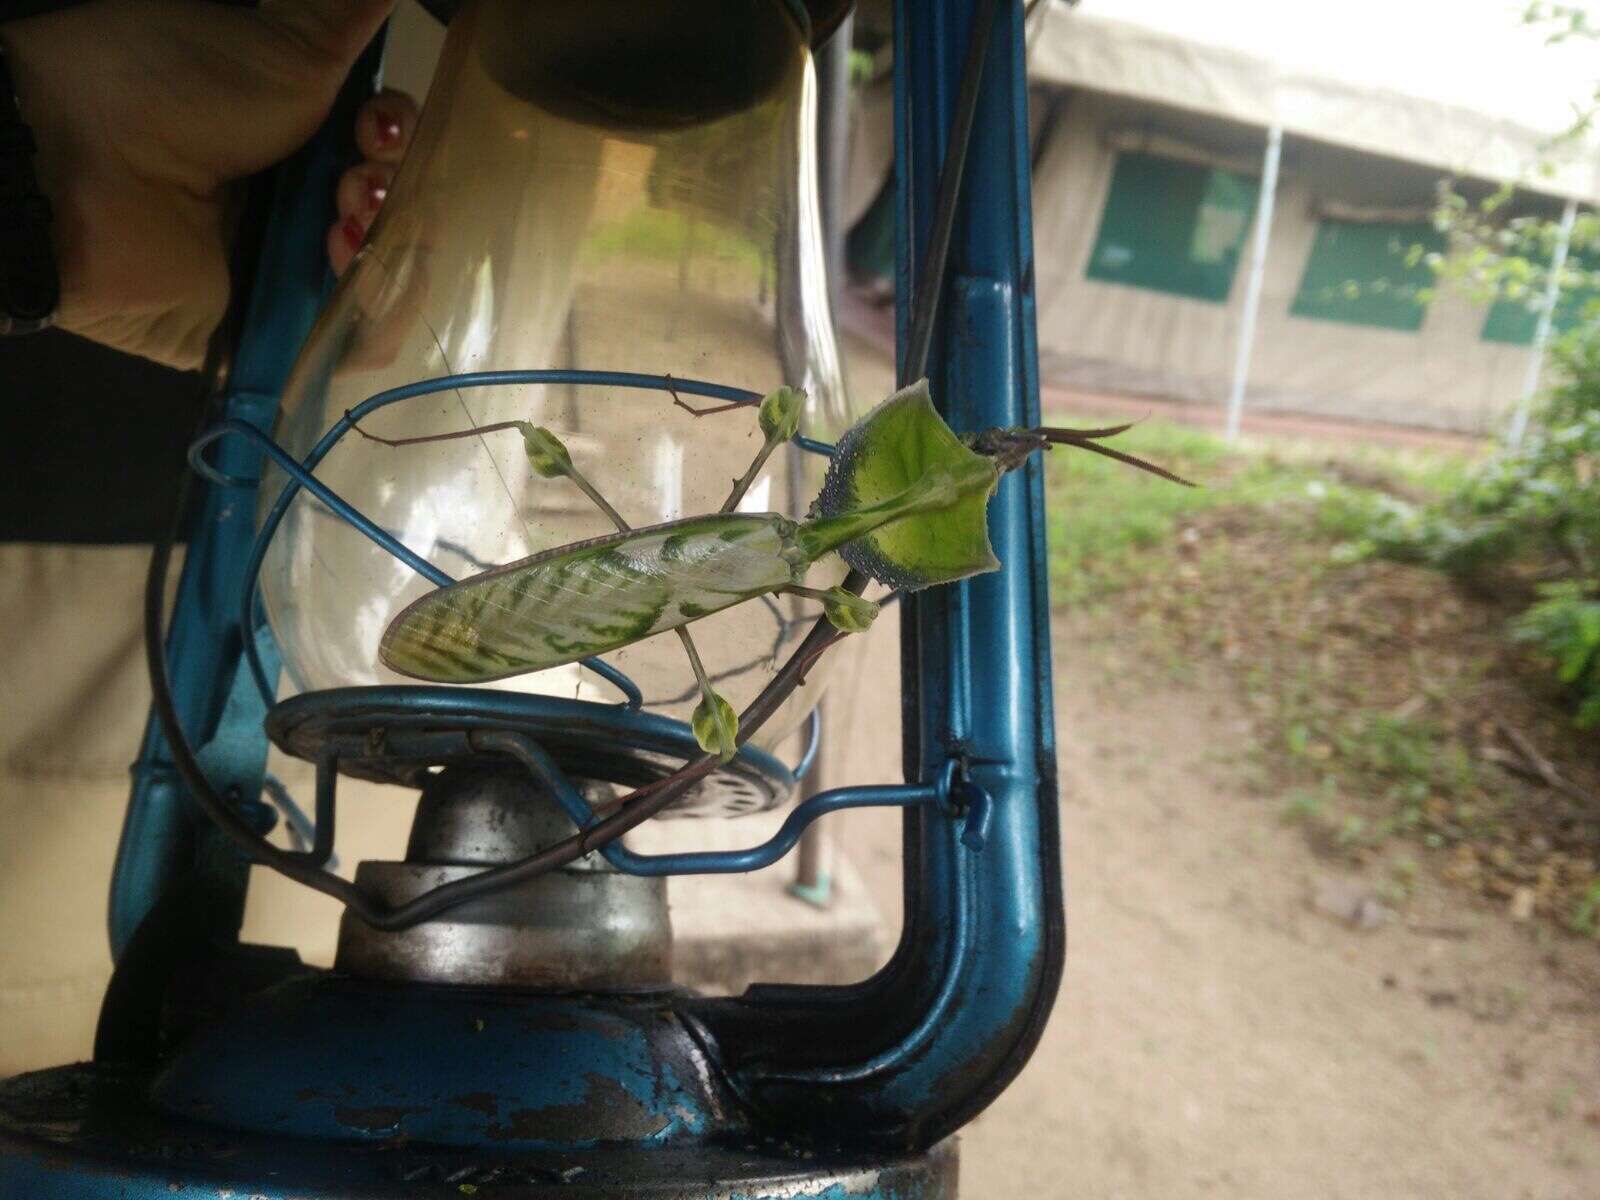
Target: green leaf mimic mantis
[905,502]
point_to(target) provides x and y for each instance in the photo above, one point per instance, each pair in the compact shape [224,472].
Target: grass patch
[1380,694]
[665,235]
[1123,522]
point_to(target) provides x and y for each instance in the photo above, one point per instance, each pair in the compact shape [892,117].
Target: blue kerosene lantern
[608,206]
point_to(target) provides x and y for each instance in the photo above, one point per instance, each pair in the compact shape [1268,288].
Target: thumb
[332,31]
[290,56]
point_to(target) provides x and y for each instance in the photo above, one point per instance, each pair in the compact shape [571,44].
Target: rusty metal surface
[84,1133]
[338,1058]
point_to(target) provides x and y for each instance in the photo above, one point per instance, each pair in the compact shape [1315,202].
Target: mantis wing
[588,597]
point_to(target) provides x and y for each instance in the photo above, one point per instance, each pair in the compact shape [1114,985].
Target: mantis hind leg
[715,724]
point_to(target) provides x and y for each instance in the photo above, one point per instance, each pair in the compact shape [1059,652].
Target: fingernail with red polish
[377,193]
[388,126]
[353,232]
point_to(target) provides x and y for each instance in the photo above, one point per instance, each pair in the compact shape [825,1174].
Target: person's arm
[145,111]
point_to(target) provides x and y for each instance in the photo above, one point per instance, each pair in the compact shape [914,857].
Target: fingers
[361,192]
[362,189]
[384,128]
[344,239]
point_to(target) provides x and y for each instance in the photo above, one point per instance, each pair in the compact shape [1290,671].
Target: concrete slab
[730,931]
[733,930]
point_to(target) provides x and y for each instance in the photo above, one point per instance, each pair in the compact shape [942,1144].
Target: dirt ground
[1217,1034]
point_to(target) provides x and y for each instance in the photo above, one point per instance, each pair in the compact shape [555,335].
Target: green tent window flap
[1369,273]
[869,246]
[1513,319]
[1172,226]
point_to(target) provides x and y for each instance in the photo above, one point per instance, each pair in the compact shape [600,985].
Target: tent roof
[1074,48]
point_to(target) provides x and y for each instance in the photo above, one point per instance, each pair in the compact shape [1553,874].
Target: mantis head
[903,448]
[927,490]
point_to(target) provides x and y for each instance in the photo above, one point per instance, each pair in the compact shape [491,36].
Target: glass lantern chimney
[619,186]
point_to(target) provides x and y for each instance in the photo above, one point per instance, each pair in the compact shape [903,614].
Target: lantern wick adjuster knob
[962,799]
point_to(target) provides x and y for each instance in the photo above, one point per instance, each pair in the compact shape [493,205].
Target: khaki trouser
[73,702]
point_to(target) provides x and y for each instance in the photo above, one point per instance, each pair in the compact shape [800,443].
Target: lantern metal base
[88,1132]
[403,734]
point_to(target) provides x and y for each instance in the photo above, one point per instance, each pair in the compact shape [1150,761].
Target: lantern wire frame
[301,477]
[310,866]
[952,791]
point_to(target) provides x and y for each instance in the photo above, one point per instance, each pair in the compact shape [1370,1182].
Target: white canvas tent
[1352,151]
[1074,48]
[1358,159]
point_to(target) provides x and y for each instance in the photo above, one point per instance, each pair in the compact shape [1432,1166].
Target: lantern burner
[407,735]
[586,927]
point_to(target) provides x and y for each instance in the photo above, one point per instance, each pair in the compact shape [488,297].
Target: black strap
[30,287]
[15,10]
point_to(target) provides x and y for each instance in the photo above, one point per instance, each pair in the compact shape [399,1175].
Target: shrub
[1529,516]
[1565,628]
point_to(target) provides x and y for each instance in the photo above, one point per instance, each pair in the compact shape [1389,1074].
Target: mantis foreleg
[780,421]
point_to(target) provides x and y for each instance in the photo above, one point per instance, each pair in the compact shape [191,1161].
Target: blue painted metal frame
[953,794]
[980,651]
[913,1053]
[160,829]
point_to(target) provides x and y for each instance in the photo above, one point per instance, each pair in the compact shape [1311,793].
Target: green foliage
[1586,917]
[1409,753]
[1496,252]
[1564,22]
[1111,519]
[1112,524]
[1530,515]
[1538,506]
[1527,514]
[1565,627]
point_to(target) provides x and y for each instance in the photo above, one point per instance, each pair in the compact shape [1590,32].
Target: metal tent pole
[1541,333]
[1252,293]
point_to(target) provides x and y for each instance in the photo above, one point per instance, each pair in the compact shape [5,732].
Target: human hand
[145,111]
